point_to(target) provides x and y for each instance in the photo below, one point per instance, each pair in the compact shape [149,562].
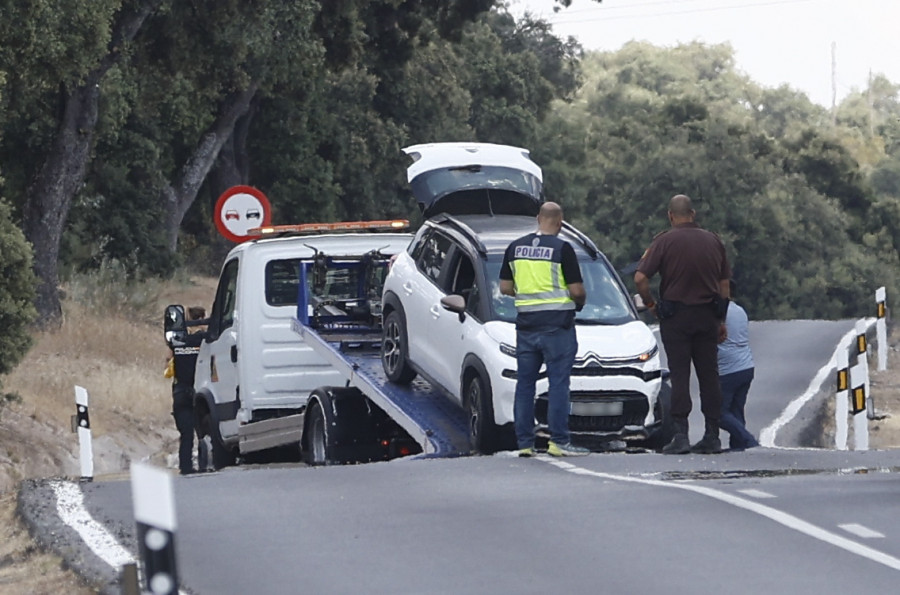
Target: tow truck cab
[254,374]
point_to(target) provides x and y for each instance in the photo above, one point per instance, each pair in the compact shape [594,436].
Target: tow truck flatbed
[428,416]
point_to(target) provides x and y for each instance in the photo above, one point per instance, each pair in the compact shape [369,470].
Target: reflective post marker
[858,377]
[83,423]
[862,362]
[881,327]
[154,513]
[842,404]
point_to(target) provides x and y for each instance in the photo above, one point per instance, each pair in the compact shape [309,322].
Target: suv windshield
[606,302]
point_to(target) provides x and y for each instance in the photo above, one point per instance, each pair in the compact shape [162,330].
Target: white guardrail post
[859,383]
[83,426]
[881,327]
[154,513]
[842,401]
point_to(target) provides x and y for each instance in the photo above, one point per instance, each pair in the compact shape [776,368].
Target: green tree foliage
[766,169]
[16,292]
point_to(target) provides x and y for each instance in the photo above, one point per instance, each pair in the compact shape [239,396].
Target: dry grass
[111,344]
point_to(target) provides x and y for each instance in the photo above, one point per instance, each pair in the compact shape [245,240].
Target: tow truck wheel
[395,350]
[317,446]
[221,456]
[482,431]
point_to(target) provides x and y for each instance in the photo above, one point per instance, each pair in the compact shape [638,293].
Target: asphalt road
[764,520]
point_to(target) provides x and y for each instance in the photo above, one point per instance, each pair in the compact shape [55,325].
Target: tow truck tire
[318,447]
[482,430]
[221,456]
[395,350]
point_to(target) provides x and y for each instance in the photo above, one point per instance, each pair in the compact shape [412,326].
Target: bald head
[680,209]
[550,218]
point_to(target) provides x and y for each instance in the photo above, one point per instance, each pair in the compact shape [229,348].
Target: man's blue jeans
[557,350]
[735,387]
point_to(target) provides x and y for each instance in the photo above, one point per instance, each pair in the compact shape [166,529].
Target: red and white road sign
[240,209]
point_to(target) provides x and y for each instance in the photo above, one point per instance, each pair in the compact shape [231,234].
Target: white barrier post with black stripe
[83,423]
[859,383]
[154,513]
[842,402]
[881,327]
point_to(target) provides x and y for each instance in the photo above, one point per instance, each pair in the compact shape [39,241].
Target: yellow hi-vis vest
[537,274]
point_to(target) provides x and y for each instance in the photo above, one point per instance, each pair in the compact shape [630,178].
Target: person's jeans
[557,350]
[183,412]
[735,387]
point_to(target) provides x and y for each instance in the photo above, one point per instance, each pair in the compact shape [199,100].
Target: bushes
[16,292]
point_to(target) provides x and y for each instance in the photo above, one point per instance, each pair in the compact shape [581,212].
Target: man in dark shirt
[693,290]
[541,271]
[184,350]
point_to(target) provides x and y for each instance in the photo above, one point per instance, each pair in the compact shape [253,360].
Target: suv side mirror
[455,303]
[173,322]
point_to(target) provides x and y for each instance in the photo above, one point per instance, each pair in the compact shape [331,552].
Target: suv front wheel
[395,350]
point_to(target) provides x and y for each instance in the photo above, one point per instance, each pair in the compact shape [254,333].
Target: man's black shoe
[708,445]
[680,445]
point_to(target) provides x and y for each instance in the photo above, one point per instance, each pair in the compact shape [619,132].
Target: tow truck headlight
[508,349]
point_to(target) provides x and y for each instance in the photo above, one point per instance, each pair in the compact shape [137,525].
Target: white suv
[445,318]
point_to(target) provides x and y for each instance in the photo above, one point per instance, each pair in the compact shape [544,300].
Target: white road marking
[756,493]
[71,510]
[782,518]
[861,531]
[767,436]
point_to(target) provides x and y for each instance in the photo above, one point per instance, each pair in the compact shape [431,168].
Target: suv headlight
[508,349]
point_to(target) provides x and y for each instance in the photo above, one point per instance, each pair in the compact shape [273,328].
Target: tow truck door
[217,368]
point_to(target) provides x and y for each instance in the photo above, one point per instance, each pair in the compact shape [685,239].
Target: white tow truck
[291,356]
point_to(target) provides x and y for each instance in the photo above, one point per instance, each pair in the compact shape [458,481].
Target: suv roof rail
[585,241]
[465,229]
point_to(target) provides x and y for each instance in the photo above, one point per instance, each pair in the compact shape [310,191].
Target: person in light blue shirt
[735,376]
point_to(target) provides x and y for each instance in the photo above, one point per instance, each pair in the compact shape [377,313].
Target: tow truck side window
[223,308]
[282,282]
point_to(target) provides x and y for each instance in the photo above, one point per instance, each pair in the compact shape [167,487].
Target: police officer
[184,350]
[693,290]
[541,271]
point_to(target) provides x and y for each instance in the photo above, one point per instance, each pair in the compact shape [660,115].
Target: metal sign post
[881,327]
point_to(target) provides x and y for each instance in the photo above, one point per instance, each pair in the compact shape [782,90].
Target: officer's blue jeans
[735,387]
[557,350]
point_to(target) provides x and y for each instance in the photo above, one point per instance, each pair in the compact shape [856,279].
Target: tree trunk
[179,196]
[61,175]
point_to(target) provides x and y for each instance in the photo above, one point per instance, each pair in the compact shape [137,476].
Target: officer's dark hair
[196,312]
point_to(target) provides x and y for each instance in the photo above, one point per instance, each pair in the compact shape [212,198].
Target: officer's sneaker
[679,445]
[526,452]
[566,450]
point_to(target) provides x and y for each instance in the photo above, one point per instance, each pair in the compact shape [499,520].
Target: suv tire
[479,404]
[395,350]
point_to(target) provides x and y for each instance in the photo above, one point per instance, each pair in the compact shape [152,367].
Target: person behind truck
[541,271]
[735,376]
[182,359]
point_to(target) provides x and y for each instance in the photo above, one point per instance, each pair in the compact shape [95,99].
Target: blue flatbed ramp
[430,418]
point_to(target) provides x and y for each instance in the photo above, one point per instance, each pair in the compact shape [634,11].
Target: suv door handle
[234,354]
[435,311]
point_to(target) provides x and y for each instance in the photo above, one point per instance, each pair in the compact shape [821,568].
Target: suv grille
[634,410]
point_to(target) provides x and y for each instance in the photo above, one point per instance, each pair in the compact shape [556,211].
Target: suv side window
[463,281]
[434,253]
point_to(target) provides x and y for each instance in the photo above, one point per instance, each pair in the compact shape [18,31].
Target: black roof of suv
[491,234]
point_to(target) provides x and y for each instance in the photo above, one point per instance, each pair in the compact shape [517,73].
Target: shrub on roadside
[17,310]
